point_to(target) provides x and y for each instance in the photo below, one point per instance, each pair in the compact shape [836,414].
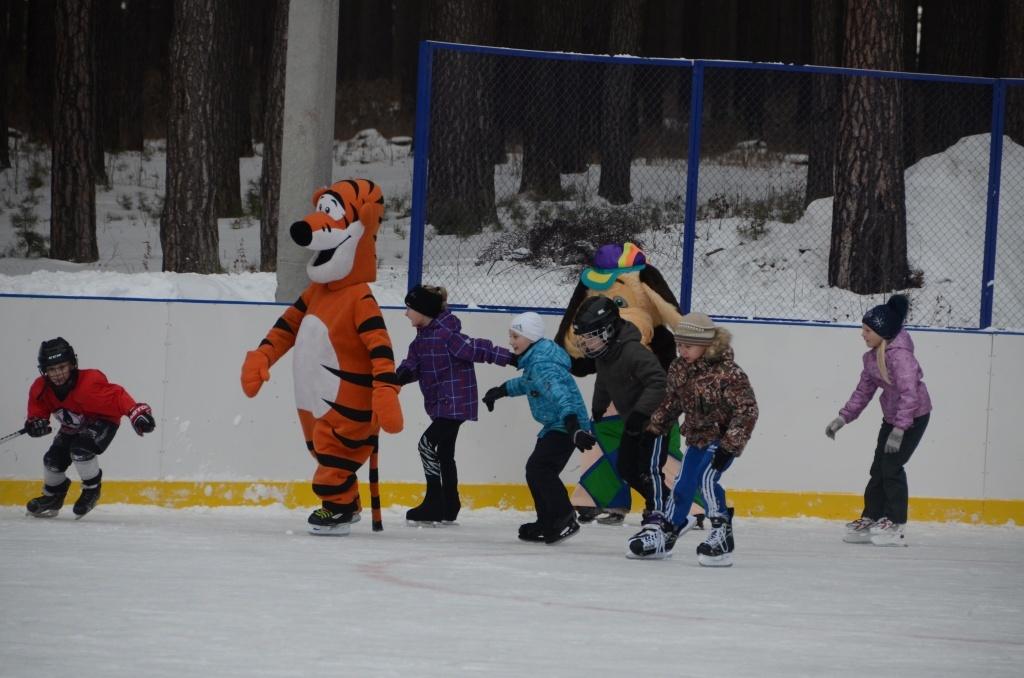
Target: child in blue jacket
[556,404]
[441,359]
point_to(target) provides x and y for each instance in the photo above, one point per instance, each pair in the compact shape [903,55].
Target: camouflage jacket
[715,395]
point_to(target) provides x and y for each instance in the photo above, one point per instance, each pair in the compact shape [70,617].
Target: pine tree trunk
[188,227]
[73,190]
[1011,65]
[270,180]
[6,58]
[826,49]
[617,102]
[39,67]
[869,229]
[227,50]
[460,194]
[120,74]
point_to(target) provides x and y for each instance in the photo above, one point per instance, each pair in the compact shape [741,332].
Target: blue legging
[697,472]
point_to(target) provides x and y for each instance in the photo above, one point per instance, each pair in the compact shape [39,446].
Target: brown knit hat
[695,329]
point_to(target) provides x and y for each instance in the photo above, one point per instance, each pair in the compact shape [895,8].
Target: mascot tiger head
[342,230]
[621,273]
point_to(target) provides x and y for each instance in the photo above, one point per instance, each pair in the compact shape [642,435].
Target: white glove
[834,426]
[893,442]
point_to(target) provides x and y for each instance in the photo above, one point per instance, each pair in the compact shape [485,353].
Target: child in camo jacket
[707,386]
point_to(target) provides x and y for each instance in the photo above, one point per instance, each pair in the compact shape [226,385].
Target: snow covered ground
[778,272]
[141,591]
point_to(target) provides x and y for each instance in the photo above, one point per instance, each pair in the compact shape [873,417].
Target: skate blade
[330,530]
[857,539]
[650,556]
[43,514]
[79,517]
[888,541]
[424,523]
[612,519]
[724,560]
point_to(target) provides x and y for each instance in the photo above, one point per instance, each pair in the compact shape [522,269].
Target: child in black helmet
[88,409]
[630,376]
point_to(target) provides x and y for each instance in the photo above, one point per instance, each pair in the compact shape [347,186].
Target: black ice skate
[531,532]
[325,522]
[716,551]
[563,529]
[652,541]
[90,495]
[49,504]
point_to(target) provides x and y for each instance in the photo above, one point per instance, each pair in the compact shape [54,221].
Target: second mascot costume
[346,389]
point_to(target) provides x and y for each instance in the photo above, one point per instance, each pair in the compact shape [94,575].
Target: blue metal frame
[692,174]
[995,171]
[421,152]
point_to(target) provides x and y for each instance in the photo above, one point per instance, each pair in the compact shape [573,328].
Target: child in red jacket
[89,409]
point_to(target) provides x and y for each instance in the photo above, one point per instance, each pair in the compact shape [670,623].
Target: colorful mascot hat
[611,261]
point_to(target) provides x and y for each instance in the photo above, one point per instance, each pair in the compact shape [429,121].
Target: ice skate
[652,541]
[612,517]
[531,532]
[859,531]
[715,551]
[567,527]
[887,533]
[325,522]
[90,495]
[587,514]
[49,504]
[695,521]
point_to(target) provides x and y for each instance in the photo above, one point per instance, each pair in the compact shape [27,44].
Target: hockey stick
[12,436]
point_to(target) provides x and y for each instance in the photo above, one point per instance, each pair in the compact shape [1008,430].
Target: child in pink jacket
[889,364]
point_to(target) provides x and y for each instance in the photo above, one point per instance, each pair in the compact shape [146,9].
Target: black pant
[92,439]
[549,457]
[887,495]
[639,464]
[437,454]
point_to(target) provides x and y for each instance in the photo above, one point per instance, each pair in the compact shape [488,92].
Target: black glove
[405,377]
[493,394]
[583,440]
[514,362]
[37,428]
[636,422]
[722,457]
[142,419]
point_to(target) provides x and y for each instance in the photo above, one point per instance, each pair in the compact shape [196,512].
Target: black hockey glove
[721,460]
[37,428]
[494,394]
[141,417]
[405,377]
[583,440]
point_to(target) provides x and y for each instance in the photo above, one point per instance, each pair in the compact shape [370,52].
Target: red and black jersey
[93,397]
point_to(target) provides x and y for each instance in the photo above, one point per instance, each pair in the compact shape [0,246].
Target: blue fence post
[692,171]
[421,149]
[995,171]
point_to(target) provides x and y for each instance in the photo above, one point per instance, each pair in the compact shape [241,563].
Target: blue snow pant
[697,472]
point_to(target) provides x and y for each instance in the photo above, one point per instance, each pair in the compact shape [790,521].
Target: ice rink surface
[160,593]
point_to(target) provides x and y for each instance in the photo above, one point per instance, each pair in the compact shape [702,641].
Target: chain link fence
[728,175]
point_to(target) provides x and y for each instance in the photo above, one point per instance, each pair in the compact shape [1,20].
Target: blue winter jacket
[549,386]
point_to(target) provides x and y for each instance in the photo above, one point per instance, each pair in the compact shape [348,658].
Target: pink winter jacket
[902,400]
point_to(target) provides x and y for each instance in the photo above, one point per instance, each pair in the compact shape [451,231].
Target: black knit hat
[425,301]
[887,319]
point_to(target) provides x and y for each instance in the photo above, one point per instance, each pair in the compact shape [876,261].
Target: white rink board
[185,358]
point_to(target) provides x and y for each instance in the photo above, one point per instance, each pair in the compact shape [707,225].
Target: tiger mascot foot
[325,522]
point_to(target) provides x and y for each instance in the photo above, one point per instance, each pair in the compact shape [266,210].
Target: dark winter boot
[431,511]
[562,529]
[325,521]
[450,492]
[90,495]
[51,501]
[716,551]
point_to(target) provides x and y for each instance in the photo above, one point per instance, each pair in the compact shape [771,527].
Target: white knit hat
[529,325]
[695,329]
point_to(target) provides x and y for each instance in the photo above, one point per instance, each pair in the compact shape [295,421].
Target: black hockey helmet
[56,351]
[595,325]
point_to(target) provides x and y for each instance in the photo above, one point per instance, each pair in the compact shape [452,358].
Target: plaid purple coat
[441,358]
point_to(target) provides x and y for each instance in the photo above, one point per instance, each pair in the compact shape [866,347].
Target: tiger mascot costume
[346,388]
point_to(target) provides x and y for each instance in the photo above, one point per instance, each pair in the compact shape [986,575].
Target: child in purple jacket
[906,406]
[441,358]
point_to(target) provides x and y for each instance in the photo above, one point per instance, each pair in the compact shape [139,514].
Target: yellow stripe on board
[295,494]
